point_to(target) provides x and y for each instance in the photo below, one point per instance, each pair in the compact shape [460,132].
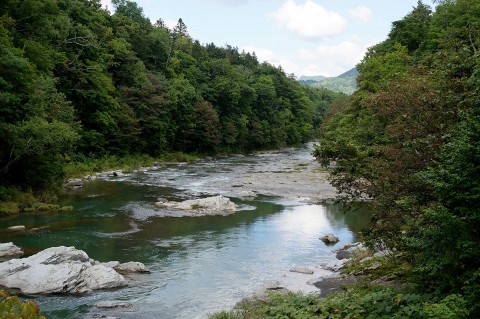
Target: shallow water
[199,264]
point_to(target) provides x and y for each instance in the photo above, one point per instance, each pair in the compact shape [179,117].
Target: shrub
[11,307]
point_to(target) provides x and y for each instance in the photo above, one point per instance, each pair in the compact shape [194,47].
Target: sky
[305,37]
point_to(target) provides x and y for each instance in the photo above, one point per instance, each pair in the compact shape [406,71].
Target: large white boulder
[205,205]
[9,250]
[58,270]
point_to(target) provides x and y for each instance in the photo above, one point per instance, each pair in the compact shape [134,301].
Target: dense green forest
[410,139]
[77,82]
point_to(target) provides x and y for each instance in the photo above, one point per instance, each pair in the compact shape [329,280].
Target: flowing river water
[198,264]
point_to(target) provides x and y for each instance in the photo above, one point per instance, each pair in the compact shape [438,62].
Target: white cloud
[266,55]
[310,20]
[361,13]
[326,60]
[332,60]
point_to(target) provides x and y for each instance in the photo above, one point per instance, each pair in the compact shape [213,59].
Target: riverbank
[15,201]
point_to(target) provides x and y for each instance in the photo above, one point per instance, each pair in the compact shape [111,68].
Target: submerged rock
[302,270]
[9,250]
[329,239]
[205,205]
[74,183]
[113,304]
[131,267]
[17,228]
[58,270]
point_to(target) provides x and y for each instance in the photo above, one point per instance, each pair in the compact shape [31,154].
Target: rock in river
[9,250]
[58,270]
[205,205]
[329,239]
[131,267]
[17,228]
[302,270]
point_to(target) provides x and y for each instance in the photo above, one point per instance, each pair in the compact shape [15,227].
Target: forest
[79,83]
[410,138]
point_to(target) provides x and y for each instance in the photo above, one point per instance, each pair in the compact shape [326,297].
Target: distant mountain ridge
[345,82]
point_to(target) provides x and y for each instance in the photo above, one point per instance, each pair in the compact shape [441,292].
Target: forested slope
[410,139]
[79,82]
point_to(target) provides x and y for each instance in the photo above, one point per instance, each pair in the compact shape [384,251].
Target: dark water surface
[199,264]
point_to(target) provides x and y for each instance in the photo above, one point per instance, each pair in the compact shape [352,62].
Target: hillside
[344,83]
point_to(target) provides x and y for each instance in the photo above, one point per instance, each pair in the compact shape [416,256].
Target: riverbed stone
[9,250]
[113,304]
[205,205]
[276,285]
[343,254]
[74,183]
[335,265]
[16,228]
[247,194]
[58,270]
[111,264]
[329,239]
[302,270]
[131,267]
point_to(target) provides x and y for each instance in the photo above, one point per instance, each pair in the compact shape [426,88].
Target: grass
[356,301]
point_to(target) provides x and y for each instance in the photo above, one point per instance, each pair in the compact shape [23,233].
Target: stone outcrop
[9,250]
[131,267]
[209,205]
[347,251]
[58,270]
[329,239]
[302,270]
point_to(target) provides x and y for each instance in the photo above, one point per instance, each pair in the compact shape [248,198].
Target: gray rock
[205,205]
[336,265]
[247,194]
[329,239]
[9,250]
[274,286]
[131,267]
[74,183]
[111,264]
[383,253]
[113,304]
[302,270]
[343,254]
[16,228]
[58,270]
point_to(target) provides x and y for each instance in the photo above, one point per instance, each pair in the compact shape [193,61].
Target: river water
[198,264]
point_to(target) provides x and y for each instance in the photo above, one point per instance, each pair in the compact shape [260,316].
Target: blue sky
[305,37]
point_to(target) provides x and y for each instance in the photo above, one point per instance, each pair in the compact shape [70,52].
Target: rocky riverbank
[63,270]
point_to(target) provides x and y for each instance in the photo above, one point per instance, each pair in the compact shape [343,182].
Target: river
[198,264]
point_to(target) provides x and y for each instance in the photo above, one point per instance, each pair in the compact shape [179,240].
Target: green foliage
[11,307]
[362,302]
[409,139]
